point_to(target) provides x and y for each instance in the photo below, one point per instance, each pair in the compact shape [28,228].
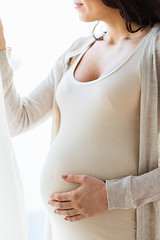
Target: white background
[38,32]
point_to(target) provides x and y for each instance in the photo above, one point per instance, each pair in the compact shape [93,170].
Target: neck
[117,31]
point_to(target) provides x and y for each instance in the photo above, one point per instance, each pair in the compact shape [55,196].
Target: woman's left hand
[87,200]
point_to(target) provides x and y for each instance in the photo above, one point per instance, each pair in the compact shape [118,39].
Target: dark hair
[142,12]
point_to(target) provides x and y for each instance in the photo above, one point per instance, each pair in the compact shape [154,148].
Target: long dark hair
[142,12]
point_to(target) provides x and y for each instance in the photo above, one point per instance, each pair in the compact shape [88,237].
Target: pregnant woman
[100,179]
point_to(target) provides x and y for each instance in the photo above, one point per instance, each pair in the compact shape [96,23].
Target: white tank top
[99,137]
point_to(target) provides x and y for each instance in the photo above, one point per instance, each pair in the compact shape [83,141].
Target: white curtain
[13,220]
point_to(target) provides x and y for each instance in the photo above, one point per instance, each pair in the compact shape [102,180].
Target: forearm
[24,113]
[133,191]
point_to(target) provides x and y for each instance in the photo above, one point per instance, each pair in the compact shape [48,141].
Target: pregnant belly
[96,158]
[67,156]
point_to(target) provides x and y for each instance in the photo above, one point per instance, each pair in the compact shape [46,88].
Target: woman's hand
[2,38]
[86,201]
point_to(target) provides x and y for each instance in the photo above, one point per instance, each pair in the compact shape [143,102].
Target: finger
[75,218]
[67,212]
[61,196]
[74,178]
[61,205]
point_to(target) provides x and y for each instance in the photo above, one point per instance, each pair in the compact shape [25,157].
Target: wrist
[2,48]
[2,43]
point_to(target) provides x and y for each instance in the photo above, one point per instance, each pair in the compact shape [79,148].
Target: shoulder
[150,60]
[63,62]
[80,43]
[77,47]
[74,49]
[154,40]
[152,44]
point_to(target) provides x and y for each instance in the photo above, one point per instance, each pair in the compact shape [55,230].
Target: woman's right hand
[2,38]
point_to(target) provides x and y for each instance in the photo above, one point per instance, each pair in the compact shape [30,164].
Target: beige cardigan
[141,192]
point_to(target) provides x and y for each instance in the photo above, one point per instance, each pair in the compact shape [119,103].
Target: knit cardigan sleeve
[133,191]
[24,113]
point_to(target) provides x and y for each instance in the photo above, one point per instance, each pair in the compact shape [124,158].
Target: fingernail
[66,219]
[64,176]
[49,202]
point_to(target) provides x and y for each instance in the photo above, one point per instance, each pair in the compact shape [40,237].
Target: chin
[86,18]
